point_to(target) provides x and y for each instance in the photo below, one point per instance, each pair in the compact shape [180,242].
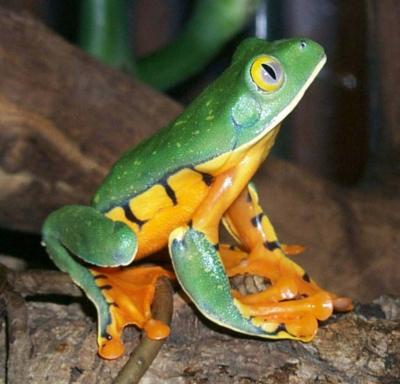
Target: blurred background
[345,130]
[351,32]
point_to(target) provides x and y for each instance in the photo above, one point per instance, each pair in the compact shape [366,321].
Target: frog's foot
[277,295]
[201,274]
[128,293]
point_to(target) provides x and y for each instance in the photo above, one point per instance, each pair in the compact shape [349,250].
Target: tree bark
[359,347]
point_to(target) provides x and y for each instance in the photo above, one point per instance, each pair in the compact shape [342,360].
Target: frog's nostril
[303,44]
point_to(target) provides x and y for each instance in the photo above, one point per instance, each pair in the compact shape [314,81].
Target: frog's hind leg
[121,295]
[196,259]
[291,302]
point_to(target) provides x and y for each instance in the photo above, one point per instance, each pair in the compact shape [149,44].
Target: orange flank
[160,213]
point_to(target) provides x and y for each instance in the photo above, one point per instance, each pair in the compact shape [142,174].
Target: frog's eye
[267,73]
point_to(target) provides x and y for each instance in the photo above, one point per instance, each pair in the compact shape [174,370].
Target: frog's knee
[89,235]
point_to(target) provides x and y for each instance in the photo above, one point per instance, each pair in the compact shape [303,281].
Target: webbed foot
[290,302]
[128,293]
[290,307]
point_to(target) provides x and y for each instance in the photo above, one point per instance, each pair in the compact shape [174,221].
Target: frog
[174,190]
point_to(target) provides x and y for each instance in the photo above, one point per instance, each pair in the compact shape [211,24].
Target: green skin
[230,113]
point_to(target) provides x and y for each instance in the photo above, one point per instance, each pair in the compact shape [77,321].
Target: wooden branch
[360,347]
[19,345]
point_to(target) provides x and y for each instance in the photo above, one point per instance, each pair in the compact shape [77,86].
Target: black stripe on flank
[216,247]
[271,245]
[105,287]
[256,220]
[306,277]
[131,217]
[232,247]
[281,328]
[170,192]
[112,304]
[99,277]
[207,178]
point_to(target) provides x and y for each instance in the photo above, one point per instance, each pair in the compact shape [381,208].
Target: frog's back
[202,132]
[155,187]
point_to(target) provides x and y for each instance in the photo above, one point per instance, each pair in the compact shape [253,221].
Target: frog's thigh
[265,257]
[121,295]
[196,260]
[246,221]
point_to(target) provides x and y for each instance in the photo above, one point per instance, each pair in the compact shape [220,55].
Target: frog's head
[269,79]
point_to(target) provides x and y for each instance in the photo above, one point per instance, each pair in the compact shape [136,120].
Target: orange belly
[162,208]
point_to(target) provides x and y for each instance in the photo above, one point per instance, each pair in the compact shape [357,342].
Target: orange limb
[292,249]
[291,298]
[129,293]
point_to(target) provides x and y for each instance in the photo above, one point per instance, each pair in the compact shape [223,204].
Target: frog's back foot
[288,306]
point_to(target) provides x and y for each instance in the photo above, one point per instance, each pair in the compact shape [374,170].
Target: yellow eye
[267,73]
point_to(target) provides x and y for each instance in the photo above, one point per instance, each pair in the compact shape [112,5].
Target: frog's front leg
[194,248]
[121,295]
[199,268]
[292,302]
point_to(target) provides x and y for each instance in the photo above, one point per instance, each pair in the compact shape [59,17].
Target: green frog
[174,190]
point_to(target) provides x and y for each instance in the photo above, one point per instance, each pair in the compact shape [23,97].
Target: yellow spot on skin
[178,145]
[148,203]
[208,118]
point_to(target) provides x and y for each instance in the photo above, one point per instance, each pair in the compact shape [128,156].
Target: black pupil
[267,68]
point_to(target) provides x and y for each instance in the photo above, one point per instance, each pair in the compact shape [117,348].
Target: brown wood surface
[357,348]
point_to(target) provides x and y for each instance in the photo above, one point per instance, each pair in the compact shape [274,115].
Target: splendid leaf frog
[175,188]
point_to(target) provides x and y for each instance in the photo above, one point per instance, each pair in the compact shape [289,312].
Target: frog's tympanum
[175,188]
